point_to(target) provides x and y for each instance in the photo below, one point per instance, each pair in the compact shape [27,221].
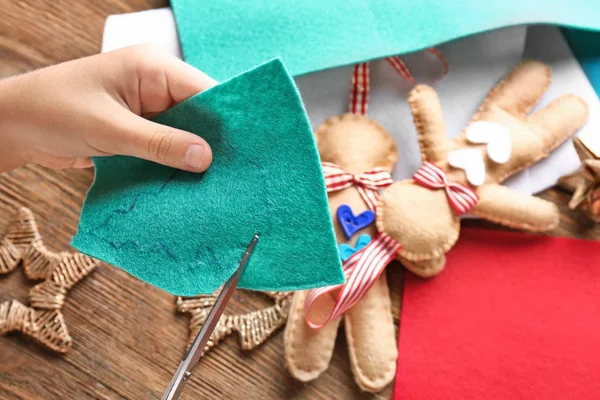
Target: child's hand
[61,116]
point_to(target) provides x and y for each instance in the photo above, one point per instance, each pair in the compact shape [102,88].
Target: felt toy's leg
[538,135]
[425,268]
[559,120]
[372,338]
[429,122]
[307,351]
[504,206]
[520,90]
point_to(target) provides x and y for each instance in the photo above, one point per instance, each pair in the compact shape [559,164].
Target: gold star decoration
[253,328]
[42,319]
[586,181]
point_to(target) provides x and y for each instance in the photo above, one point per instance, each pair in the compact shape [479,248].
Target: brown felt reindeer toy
[464,175]
[359,149]
[356,144]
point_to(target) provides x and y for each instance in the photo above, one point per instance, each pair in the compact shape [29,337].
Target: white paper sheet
[477,63]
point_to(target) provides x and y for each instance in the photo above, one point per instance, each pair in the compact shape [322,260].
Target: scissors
[195,351]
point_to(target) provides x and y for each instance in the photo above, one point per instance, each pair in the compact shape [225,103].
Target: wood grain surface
[128,339]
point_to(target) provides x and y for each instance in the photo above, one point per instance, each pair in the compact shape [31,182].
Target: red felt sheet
[513,316]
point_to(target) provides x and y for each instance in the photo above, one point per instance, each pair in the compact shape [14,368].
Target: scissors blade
[195,351]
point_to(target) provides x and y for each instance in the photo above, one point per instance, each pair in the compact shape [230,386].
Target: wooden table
[128,338]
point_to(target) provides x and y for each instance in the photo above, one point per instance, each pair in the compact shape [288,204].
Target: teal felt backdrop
[225,37]
[586,47]
[186,233]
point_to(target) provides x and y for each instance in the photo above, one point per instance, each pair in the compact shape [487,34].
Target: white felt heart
[471,161]
[497,137]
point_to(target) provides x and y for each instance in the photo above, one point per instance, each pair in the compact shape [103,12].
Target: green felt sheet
[186,233]
[224,37]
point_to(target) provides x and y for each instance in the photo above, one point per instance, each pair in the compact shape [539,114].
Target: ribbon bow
[462,198]
[361,270]
[368,183]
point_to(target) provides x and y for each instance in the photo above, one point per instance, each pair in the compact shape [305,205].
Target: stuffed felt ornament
[358,155]
[463,175]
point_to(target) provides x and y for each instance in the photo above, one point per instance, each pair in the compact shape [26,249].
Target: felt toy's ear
[532,137]
[536,136]
[559,120]
[519,91]
[429,122]
[504,206]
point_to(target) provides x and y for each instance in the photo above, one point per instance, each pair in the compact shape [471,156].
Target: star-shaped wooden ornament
[42,319]
[586,181]
[253,328]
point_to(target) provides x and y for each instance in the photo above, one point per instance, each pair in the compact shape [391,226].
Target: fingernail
[195,155]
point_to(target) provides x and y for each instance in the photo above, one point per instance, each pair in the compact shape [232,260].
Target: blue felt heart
[351,223]
[346,250]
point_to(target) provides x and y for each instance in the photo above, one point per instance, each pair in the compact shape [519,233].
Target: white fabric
[471,161]
[496,136]
[476,64]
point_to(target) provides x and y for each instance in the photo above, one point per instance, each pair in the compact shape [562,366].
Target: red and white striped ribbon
[397,63]
[462,198]
[440,57]
[367,183]
[361,271]
[359,93]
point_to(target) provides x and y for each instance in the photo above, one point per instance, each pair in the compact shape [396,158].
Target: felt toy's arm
[307,351]
[429,122]
[371,338]
[505,206]
[425,268]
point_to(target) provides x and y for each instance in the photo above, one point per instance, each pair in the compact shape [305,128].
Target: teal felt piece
[224,37]
[186,233]
[586,47]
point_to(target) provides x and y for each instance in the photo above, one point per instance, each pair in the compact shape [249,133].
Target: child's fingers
[183,80]
[153,81]
[139,137]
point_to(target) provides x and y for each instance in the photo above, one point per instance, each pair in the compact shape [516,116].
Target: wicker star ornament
[42,319]
[253,328]
[587,190]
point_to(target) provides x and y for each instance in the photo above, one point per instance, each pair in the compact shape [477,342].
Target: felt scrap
[313,35]
[185,233]
[512,316]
